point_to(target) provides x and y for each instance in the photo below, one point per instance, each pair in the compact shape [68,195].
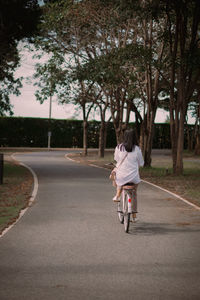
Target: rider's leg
[118,194]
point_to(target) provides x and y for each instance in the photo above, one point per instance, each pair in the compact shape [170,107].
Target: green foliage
[112,68]
[9,85]
[51,79]
[18,20]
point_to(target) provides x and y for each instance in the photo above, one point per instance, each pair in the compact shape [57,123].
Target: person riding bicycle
[129,158]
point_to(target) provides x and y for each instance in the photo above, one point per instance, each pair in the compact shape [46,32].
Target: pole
[50,106]
[1,168]
[49,132]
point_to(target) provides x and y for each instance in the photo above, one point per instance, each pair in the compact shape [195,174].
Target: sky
[26,104]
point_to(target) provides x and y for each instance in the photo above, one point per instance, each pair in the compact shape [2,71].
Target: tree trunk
[102,139]
[173,143]
[119,134]
[180,143]
[147,151]
[197,130]
[190,134]
[141,139]
[177,140]
[148,138]
[117,107]
[85,126]
[197,146]
[85,134]
[102,132]
[105,135]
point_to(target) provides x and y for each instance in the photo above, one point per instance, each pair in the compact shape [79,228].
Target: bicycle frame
[129,204]
[126,206]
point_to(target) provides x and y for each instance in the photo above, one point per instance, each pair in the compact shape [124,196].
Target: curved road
[70,244]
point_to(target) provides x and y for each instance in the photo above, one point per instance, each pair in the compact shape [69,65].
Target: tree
[183,65]
[148,79]
[64,32]
[52,79]
[106,35]
[123,51]
[194,135]
[18,20]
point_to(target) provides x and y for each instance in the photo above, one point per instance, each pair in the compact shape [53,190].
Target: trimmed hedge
[33,132]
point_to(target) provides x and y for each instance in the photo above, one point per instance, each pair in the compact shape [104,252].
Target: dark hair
[129,141]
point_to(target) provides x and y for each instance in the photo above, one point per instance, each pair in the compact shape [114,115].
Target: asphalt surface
[70,244]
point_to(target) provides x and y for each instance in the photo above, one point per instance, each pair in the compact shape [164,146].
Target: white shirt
[128,171]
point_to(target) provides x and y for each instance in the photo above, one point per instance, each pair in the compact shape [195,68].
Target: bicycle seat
[129,186]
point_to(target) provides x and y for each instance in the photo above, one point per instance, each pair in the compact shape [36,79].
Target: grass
[186,185]
[14,193]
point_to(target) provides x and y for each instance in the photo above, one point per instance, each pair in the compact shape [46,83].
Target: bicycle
[127,205]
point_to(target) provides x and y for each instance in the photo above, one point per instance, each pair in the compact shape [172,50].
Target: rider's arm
[116,154]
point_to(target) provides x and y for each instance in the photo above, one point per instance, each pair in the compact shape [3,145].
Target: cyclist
[127,172]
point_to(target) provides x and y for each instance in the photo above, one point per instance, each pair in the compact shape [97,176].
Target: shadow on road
[148,229]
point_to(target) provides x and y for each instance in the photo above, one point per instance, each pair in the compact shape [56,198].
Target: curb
[31,199]
[157,186]
[173,194]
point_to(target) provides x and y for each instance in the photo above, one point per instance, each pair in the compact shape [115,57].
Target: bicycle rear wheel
[126,213]
[126,222]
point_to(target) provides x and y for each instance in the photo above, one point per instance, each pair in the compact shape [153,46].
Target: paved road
[70,244]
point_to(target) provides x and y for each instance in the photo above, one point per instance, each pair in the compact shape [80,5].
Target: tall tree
[183,65]
[128,63]
[148,77]
[69,29]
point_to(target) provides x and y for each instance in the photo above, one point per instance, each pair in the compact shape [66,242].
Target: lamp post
[50,109]
[49,132]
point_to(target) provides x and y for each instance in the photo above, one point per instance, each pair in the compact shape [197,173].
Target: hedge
[33,132]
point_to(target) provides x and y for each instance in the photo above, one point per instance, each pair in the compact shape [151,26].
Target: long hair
[129,141]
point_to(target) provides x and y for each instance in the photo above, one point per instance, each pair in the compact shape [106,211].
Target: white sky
[26,104]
